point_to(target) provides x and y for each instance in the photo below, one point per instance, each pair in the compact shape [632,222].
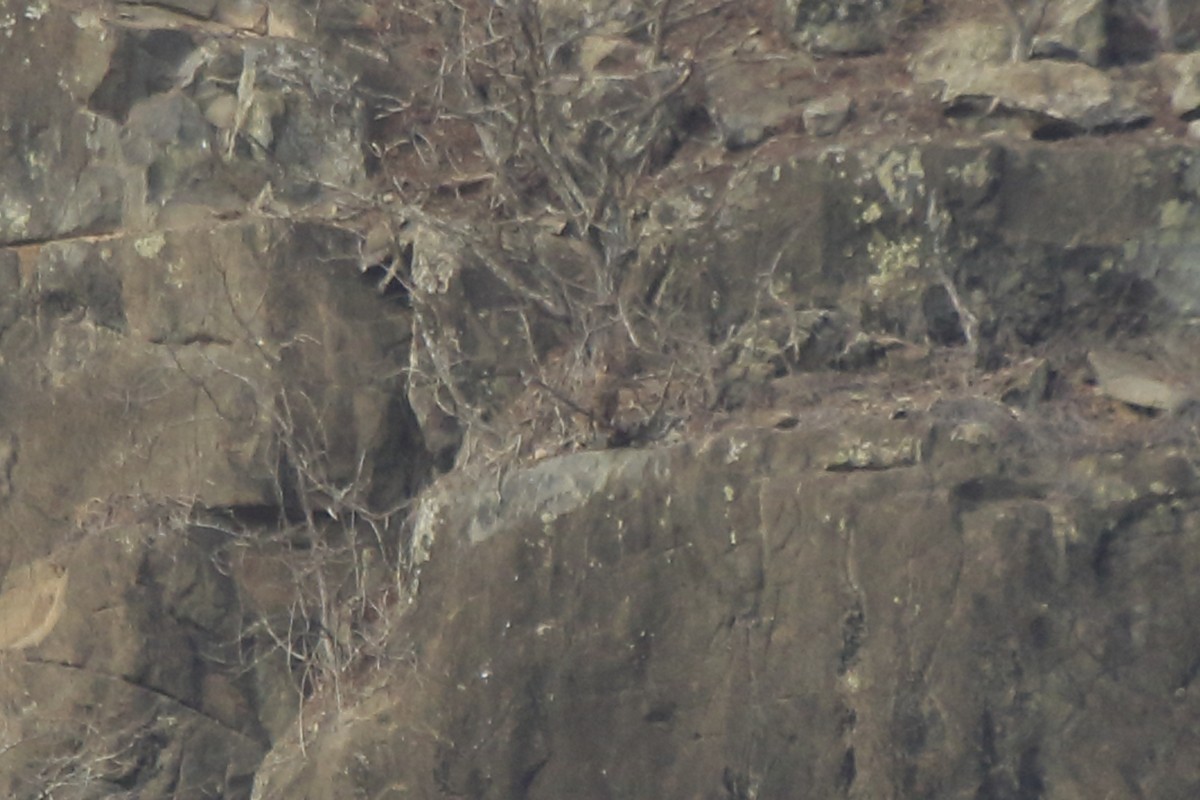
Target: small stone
[828,115]
[1193,130]
[246,15]
[1136,381]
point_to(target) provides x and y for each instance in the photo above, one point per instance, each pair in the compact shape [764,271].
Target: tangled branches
[514,165]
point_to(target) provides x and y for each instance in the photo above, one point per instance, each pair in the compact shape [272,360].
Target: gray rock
[1185,24]
[296,124]
[827,116]
[139,666]
[173,348]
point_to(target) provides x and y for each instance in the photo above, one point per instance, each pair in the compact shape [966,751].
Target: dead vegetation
[318,575]
[516,163]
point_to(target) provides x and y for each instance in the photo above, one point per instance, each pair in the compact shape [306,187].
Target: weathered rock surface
[796,439]
[141,679]
[124,127]
[170,360]
[746,615]
[166,357]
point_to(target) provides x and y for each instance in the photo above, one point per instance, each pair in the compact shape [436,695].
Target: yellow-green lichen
[974,173]
[150,246]
[15,217]
[894,260]
[1174,214]
[872,213]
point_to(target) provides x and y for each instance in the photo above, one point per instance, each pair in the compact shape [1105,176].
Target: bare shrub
[521,153]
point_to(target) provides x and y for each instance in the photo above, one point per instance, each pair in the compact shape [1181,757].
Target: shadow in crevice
[144,64]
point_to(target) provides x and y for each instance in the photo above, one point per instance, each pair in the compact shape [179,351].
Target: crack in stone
[141,687]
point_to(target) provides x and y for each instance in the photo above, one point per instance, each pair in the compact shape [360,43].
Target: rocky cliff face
[605,399]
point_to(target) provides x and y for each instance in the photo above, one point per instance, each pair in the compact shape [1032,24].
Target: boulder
[1056,96]
[962,45]
[247,15]
[972,67]
[747,118]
